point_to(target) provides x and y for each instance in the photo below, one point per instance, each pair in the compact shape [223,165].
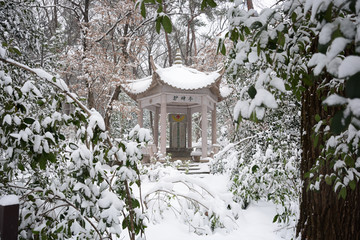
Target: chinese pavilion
[175,93]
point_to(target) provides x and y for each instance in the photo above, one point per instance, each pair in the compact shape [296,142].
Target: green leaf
[29,120]
[234,35]
[342,193]
[61,136]
[17,51]
[254,168]
[31,198]
[160,9]
[276,218]
[352,184]
[21,167]
[42,162]
[223,49]
[51,157]
[256,25]
[211,3]
[316,140]
[242,38]
[328,180]
[125,223]
[336,34]
[158,25]
[317,118]
[203,5]
[253,117]
[293,17]
[166,22]
[40,102]
[252,91]
[328,13]
[352,86]
[143,10]
[281,39]
[339,123]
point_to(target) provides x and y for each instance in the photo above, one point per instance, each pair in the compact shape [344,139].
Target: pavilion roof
[180,77]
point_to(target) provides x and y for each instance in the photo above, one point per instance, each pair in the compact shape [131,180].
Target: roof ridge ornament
[178,58]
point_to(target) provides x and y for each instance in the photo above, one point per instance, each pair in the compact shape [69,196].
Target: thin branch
[128,13]
[58,84]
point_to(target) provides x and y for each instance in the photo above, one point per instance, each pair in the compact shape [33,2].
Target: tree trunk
[55,17]
[114,97]
[169,48]
[249,4]
[323,215]
[168,42]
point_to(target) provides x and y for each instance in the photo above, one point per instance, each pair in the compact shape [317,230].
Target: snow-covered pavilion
[176,93]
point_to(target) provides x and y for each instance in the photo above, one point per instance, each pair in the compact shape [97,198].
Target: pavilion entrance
[178,136]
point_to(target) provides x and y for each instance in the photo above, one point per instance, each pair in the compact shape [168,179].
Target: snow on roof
[138,86]
[180,77]
[186,78]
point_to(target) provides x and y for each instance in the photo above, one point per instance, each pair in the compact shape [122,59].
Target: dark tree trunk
[249,4]
[168,42]
[323,215]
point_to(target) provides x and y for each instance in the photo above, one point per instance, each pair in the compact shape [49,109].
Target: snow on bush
[191,201]
[68,187]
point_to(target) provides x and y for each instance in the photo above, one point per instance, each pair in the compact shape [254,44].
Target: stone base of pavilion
[184,154]
[179,152]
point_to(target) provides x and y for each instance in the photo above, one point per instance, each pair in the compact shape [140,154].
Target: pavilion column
[163,125]
[156,126]
[204,126]
[140,116]
[189,127]
[213,127]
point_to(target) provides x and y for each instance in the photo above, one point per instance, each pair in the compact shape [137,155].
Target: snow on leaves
[75,186]
[309,41]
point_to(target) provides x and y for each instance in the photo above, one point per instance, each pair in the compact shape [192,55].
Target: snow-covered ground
[254,223]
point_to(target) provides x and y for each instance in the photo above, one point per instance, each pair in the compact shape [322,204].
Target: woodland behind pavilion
[176,93]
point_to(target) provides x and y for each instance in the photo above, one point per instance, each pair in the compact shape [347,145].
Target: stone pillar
[204,126]
[163,125]
[213,127]
[156,126]
[140,116]
[189,127]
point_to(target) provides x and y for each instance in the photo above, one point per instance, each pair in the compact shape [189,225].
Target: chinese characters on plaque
[180,98]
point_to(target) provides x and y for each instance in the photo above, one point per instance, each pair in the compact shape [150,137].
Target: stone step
[188,169]
[196,173]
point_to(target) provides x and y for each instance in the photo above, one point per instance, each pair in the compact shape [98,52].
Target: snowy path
[255,223]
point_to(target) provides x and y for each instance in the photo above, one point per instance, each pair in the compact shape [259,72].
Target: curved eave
[129,90]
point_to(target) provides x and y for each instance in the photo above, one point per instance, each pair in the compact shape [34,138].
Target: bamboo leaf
[166,22]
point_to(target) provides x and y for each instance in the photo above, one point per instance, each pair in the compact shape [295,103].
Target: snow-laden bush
[310,48]
[189,199]
[69,187]
[264,163]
